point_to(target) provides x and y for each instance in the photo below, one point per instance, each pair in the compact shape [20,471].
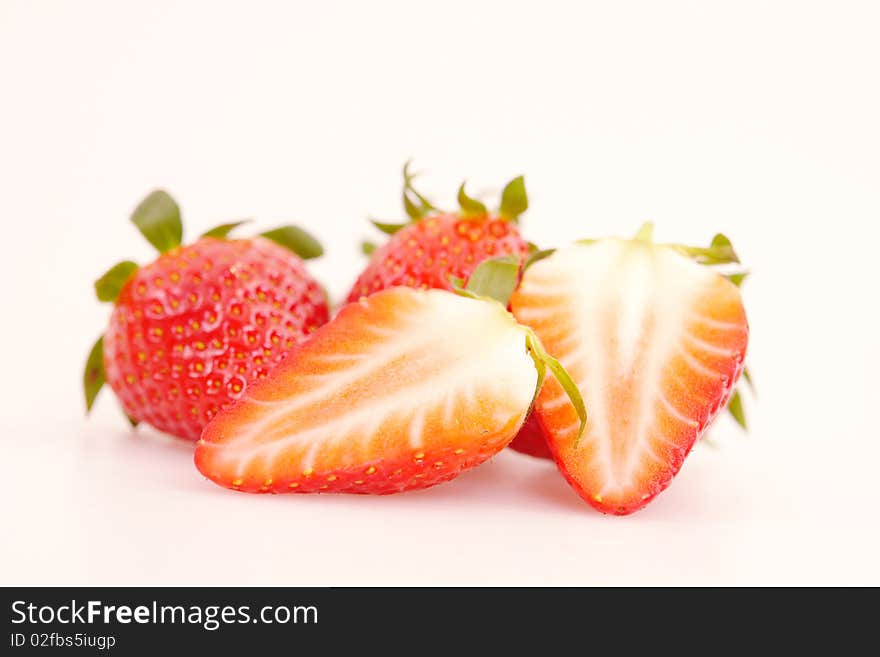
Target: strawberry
[435,245]
[191,330]
[656,343]
[530,440]
[404,389]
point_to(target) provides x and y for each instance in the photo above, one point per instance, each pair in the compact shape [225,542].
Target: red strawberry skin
[531,440]
[191,330]
[426,253]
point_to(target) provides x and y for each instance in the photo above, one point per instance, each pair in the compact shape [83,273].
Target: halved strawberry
[403,389]
[655,342]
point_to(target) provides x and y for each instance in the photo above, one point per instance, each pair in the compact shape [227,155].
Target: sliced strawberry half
[403,389]
[655,342]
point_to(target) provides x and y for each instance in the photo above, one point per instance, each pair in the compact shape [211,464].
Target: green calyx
[292,238]
[158,219]
[536,255]
[295,239]
[417,206]
[493,281]
[470,207]
[514,200]
[108,287]
[93,375]
[222,231]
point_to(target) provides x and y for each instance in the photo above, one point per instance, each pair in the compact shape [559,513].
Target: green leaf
[544,360]
[108,287]
[720,240]
[533,247]
[495,278]
[367,248]
[737,279]
[415,205]
[223,230]
[158,219]
[735,407]
[470,206]
[412,210]
[713,255]
[458,286]
[536,256]
[387,228]
[645,232]
[93,375]
[514,200]
[297,240]
[747,377]
[719,252]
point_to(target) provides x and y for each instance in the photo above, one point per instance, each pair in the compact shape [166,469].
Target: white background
[759,119]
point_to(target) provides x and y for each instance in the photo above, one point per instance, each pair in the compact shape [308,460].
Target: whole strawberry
[435,246]
[531,440]
[192,329]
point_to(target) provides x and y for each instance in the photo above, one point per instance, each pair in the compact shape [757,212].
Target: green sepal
[108,287]
[158,219]
[131,420]
[222,231]
[544,361]
[297,240]
[536,256]
[367,248]
[93,375]
[738,278]
[470,206]
[415,204]
[719,252]
[387,228]
[747,377]
[514,200]
[645,232]
[495,278]
[735,408]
